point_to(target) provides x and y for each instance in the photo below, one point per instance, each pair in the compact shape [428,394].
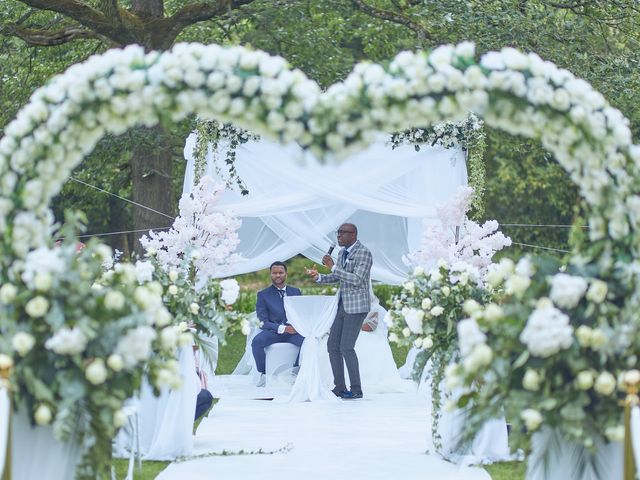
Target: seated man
[270,312]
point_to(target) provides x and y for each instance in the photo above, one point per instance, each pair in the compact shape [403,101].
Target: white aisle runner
[382,436]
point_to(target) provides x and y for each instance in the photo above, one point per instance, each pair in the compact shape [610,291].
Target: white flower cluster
[456,239]
[67,341]
[201,227]
[230,291]
[445,134]
[567,290]
[547,331]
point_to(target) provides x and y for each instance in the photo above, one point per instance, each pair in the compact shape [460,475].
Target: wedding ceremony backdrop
[552,342]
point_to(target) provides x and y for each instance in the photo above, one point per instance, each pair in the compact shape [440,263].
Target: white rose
[517,285]
[6,362]
[8,293]
[418,272]
[96,372]
[43,415]
[531,380]
[598,339]
[532,418]
[426,303]
[417,343]
[114,300]
[471,306]
[427,343]
[597,291]
[246,330]
[173,275]
[43,281]
[584,380]
[446,291]
[493,312]
[409,287]
[406,332]
[115,362]
[393,338]
[162,317]
[37,307]
[195,255]
[605,384]
[173,290]
[615,434]
[414,318]
[22,343]
[480,356]
[169,337]
[436,311]
[194,308]
[631,377]
[567,290]
[119,418]
[584,334]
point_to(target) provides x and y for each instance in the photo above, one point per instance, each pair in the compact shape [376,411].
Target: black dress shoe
[339,393]
[351,395]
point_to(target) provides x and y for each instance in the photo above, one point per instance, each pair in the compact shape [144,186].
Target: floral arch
[515,92]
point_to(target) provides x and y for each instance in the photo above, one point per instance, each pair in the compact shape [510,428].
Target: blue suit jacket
[270,307]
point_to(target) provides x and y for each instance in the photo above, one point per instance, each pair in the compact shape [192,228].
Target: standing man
[353,273]
[270,312]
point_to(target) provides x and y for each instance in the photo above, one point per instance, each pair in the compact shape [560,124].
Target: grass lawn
[229,356]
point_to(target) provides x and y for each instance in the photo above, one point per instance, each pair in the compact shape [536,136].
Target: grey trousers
[342,340]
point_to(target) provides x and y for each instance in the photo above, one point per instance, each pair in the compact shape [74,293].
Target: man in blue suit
[270,312]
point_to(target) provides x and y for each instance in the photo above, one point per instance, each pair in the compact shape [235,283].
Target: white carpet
[383,436]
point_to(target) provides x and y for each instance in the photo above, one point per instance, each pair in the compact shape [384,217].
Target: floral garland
[209,135]
[515,92]
[468,134]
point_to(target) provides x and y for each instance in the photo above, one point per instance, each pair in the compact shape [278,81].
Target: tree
[154,24]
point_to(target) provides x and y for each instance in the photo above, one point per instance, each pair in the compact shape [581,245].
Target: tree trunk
[151,176]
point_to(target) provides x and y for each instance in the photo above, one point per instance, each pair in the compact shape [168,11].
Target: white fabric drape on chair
[295,204]
[311,316]
[4,425]
[165,423]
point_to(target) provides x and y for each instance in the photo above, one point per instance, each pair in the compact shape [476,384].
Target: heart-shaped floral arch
[110,93]
[515,92]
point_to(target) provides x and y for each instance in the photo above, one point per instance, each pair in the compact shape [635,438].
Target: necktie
[281,292]
[345,254]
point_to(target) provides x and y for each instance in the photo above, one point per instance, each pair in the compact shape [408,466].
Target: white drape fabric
[295,204]
[635,434]
[4,426]
[37,454]
[491,443]
[165,423]
[553,457]
[311,316]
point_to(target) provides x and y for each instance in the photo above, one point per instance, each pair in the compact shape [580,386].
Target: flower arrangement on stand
[426,312]
[75,363]
[425,315]
[191,257]
[556,354]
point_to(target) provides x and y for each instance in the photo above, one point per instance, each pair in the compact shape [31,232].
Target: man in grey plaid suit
[353,272]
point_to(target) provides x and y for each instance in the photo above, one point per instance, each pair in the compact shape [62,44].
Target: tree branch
[38,37]
[394,17]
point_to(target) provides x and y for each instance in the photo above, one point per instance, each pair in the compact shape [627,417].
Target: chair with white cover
[279,358]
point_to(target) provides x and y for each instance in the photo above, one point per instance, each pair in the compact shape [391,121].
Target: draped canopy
[295,204]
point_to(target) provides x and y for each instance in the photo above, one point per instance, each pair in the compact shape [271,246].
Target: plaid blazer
[354,279]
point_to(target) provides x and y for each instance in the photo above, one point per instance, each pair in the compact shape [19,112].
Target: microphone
[333,245]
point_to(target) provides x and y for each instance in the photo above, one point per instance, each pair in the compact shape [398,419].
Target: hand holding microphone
[327,261]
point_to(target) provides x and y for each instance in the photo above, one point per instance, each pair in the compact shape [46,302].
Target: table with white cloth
[312,317]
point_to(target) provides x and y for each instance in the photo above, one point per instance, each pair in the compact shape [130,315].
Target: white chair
[280,357]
